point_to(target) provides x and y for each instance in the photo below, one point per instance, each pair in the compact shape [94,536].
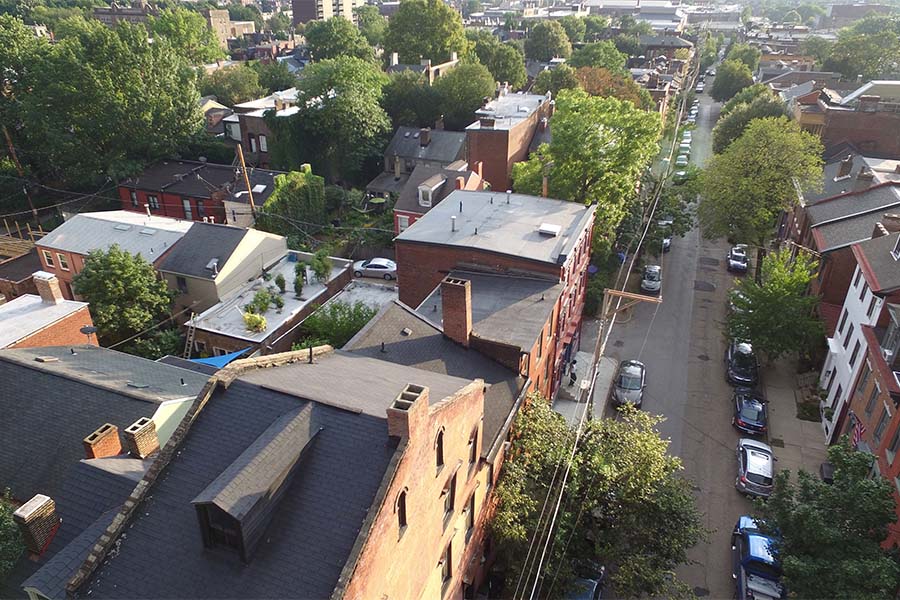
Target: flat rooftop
[27,314]
[509,110]
[506,224]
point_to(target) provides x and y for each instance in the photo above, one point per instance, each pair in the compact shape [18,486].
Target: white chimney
[48,287]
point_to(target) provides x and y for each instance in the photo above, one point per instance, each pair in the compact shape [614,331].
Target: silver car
[628,387]
[375,267]
[652,280]
[756,468]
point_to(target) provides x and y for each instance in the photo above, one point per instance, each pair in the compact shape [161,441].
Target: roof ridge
[855,192]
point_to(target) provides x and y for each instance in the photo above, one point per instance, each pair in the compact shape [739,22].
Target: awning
[220,362]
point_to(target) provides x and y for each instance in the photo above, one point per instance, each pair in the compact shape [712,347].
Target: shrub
[337,322]
[321,264]
[298,285]
[254,322]
[261,302]
[279,302]
[280,282]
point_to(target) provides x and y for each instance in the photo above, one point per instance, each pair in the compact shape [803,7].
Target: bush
[298,285]
[321,264]
[279,302]
[280,282]
[11,545]
[261,302]
[593,296]
[337,322]
[254,322]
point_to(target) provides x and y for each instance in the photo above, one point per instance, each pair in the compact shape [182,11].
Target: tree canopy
[745,96]
[188,33]
[241,12]
[297,201]
[427,29]
[599,54]
[600,163]
[274,76]
[371,24]
[598,81]
[124,293]
[731,77]
[830,534]
[462,92]
[746,54]
[505,61]
[625,504]
[336,37]
[547,40]
[562,77]
[731,127]
[594,27]
[777,315]
[409,100]
[870,55]
[575,28]
[232,85]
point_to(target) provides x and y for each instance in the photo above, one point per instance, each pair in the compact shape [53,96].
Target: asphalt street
[682,345]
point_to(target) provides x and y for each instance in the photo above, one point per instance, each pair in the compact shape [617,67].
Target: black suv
[741,367]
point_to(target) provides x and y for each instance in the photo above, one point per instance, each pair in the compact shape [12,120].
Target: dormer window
[424,196]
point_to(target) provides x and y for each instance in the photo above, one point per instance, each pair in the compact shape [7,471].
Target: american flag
[858,430]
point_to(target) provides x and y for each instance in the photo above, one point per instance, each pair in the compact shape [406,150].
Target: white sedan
[375,267]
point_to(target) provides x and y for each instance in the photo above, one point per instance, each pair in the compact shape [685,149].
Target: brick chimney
[424,136]
[456,302]
[460,183]
[38,522]
[48,287]
[846,166]
[864,179]
[397,166]
[868,103]
[478,167]
[408,412]
[141,439]
[103,442]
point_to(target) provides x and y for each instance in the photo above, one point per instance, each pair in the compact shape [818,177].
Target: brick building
[427,186]
[517,267]
[46,319]
[337,462]
[137,12]
[503,134]
[411,148]
[64,250]
[15,275]
[196,191]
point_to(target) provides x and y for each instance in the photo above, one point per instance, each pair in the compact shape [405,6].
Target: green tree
[731,77]
[746,54]
[731,127]
[745,96]
[777,315]
[11,545]
[334,324]
[599,54]
[425,29]
[297,202]
[409,100]
[336,37]
[563,77]
[624,505]
[747,186]
[547,40]
[340,125]
[830,534]
[601,163]
[575,28]
[124,293]
[597,81]
[240,12]
[188,33]
[471,6]
[156,344]
[631,26]
[507,64]
[817,47]
[462,91]
[274,76]
[629,45]
[709,52]
[595,27]
[371,24]
[871,55]
[232,85]
[280,25]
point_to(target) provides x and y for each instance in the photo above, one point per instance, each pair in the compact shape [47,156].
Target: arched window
[439,450]
[401,509]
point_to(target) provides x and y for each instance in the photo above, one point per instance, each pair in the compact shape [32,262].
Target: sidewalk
[798,444]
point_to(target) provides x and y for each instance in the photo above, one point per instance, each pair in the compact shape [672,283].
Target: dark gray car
[628,387]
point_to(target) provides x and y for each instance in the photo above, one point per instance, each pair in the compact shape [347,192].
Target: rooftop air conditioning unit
[549,229]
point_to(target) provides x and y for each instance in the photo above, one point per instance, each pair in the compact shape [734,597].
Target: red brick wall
[413,217]
[75,263]
[65,332]
[255,126]
[172,205]
[836,271]
[14,289]
[395,564]
[871,132]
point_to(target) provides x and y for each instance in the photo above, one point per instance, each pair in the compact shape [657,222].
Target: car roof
[749,394]
[746,522]
[743,347]
[632,367]
[759,547]
[380,261]
[759,459]
[652,268]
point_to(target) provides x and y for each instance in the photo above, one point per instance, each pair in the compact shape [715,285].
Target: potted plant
[298,285]
[280,282]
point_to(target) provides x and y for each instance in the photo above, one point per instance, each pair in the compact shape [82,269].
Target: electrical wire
[148,330]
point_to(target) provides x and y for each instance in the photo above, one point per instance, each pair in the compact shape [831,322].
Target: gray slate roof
[664,41]
[444,147]
[177,361]
[508,309]
[413,341]
[880,262]
[312,532]
[20,267]
[854,204]
[409,197]
[201,244]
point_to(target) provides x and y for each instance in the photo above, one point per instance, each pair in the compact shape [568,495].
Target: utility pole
[19,170]
[247,182]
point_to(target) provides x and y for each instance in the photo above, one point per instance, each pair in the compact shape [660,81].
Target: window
[470,517]
[449,493]
[473,448]
[871,306]
[870,405]
[134,198]
[843,322]
[895,443]
[863,378]
[882,423]
[401,510]
[540,343]
[153,201]
[263,144]
[200,346]
[854,354]
[424,196]
[201,210]
[402,222]
[849,335]
[439,450]
[181,282]
[837,397]
[188,213]
[252,139]
[48,258]
[445,564]
[862,292]
[858,275]
[830,380]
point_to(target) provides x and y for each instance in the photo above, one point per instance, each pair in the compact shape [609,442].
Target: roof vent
[213,265]
[122,227]
[46,359]
[406,331]
[147,232]
[549,229]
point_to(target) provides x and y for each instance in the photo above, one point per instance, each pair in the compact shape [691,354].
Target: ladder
[189,342]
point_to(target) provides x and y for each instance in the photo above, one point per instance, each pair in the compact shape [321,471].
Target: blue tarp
[220,361]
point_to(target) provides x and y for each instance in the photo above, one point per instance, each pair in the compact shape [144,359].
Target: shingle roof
[409,197]
[879,262]
[202,244]
[20,267]
[312,532]
[851,204]
[841,233]
[177,361]
[444,147]
[664,41]
[413,341]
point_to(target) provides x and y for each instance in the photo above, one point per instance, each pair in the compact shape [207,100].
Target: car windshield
[652,276]
[630,381]
[751,411]
[759,479]
[767,571]
[744,360]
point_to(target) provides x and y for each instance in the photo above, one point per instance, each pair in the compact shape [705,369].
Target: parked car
[741,367]
[651,282]
[684,148]
[665,224]
[691,120]
[711,72]
[755,569]
[750,412]
[732,305]
[375,267]
[756,468]
[586,589]
[629,384]
[681,161]
[700,87]
[686,135]
[679,177]
[737,260]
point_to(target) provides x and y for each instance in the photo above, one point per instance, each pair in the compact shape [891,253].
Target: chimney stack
[460,183]
[395,59]
[486,122]
[478,168]
[104,442]
[48,287]
[864,179]
[408,411]
[424,136]
[38,522]
[141,439]
[396,166]
[868,103]
[456,304]
[846,166]
[891,222]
